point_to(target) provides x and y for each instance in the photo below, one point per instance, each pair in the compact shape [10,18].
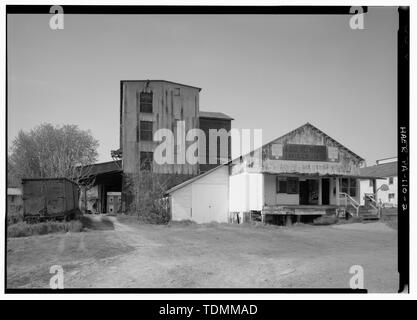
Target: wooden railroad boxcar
[49,199]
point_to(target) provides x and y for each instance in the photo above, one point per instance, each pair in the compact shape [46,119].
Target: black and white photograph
[205,149]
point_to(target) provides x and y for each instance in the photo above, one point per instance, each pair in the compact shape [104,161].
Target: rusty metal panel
[304,152]
[49,197]
[55,196]
[34,197]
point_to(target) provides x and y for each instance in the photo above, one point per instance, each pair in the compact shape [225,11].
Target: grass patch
[14,217]
[325,220]
[181,223]
[23,229]
[390,221]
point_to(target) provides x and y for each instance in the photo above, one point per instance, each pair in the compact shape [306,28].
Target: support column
[288,221]
[85,199]
[337,192]
[320,192]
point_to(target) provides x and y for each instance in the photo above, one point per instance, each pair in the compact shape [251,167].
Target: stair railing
[374,204]
[351,201]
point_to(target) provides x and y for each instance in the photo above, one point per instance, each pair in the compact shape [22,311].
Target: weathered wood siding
[53,197]
[171,103]
[209,123]
[340,161]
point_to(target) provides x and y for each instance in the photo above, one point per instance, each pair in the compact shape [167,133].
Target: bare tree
[51,152]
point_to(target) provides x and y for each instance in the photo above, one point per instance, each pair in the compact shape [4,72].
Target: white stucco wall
[246,192]
[204,200]
[380,195]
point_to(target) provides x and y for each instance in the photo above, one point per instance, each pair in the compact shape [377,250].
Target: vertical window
[146,130]
[344,185]
[352,187]
[391,180]
[371,183]
[348,186]
[292,185]
[281,185]
[146,159]
[145,101]
[177,92]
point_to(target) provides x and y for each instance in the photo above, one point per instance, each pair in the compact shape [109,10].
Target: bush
[156,215]
[14,217]
[186,223]
[325,220]
[23,229]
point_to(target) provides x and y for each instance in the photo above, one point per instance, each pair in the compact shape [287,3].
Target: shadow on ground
[97,222]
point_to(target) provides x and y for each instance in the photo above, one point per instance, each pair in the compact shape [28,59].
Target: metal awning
[317,175]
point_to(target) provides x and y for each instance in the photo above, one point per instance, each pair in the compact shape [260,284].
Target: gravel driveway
[130,255]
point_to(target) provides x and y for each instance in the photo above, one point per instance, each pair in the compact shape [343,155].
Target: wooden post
[288,221]
[320,192]
[337,192]
[85,199]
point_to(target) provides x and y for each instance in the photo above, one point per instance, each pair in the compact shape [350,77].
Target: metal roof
[103,168]
[389,169]
[187,182]
[214,115]
[166,81]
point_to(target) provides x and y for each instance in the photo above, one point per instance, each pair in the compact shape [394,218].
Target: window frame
[293,185]
[146,160]
[143,132]
[352,188]
[348,187]
[280,185]
[145,107]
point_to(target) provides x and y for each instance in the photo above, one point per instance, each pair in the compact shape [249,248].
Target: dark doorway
[325,190]
[309,192]
[304,192]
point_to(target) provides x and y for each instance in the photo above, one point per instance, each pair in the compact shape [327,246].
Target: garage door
[210,203]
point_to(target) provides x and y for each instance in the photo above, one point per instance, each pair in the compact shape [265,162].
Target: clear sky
[273,72]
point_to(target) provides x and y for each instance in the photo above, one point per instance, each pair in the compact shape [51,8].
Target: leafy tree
[49,151]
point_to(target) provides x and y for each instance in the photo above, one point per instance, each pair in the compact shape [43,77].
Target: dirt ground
[123,254]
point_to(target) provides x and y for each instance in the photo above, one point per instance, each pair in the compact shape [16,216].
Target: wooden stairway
[368,213]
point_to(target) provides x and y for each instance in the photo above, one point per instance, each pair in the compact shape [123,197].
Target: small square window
[391,197]
[146,159]
[391,180]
